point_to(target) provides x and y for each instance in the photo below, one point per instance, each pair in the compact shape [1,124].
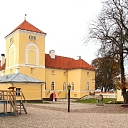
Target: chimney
[52,54]
[2,59]
[79,57]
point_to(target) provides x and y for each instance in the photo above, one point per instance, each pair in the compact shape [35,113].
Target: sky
[66,23]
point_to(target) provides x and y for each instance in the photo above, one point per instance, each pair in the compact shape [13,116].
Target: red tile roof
[2,67]
[27,26]
[66,63]
[62,63]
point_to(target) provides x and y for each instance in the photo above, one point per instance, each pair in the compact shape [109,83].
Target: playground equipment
[10,99]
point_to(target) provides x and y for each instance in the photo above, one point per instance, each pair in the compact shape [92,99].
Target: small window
[87,86]
[32,70]
[65,73]
[52,86]
[88,74]
[53,72]
[75,95]
[11,40]
[32,38]
[18,91]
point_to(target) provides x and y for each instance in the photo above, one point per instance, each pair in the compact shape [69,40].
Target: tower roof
[25,25]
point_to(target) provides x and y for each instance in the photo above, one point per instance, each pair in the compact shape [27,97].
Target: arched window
[72,86]
[64,86]
[32,54]
[52,86]
[12,55]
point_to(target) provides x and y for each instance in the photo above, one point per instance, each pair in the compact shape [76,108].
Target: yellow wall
[58,77]
[12,44]
[119,95]
[30,91]
[5,86]
[16,58]
[77,76]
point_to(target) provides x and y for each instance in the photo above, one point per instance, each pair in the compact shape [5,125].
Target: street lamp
[69,87]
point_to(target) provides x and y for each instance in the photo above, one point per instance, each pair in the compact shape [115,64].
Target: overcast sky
[64,21]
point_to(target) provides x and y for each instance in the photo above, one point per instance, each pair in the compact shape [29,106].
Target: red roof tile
[58,62]
[27,26]
[63,63]
[66,63]
[2,67]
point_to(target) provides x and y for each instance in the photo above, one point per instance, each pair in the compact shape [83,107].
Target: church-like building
[25,54]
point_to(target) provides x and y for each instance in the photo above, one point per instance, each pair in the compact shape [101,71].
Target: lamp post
[69,87]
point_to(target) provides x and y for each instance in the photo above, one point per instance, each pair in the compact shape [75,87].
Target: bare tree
[111,30]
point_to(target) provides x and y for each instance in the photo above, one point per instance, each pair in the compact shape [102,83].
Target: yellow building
[119,95]
[25,54]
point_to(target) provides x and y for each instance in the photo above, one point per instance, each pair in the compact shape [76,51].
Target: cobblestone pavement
[55,115]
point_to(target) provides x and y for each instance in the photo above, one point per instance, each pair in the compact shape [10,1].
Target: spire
[25,16]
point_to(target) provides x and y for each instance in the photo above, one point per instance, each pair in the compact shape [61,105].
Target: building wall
[77,78]
[57,76]
[74,77]
[30,91]
[25,54]
[119,95]
[5,86]
[87,82]
[12,49]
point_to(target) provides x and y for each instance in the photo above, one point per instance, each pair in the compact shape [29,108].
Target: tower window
[11,40]
[32,38]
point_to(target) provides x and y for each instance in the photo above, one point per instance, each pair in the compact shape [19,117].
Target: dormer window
[32,38]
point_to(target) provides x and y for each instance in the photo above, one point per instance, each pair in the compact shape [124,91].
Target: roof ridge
[61,56]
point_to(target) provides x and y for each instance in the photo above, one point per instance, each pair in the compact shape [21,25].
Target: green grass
[93,100]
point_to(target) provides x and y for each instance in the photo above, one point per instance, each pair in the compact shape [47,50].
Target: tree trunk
[124,93]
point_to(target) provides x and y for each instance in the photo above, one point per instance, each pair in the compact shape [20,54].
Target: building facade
[25,53]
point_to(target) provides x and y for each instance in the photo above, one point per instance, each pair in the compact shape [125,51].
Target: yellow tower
[25,51]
